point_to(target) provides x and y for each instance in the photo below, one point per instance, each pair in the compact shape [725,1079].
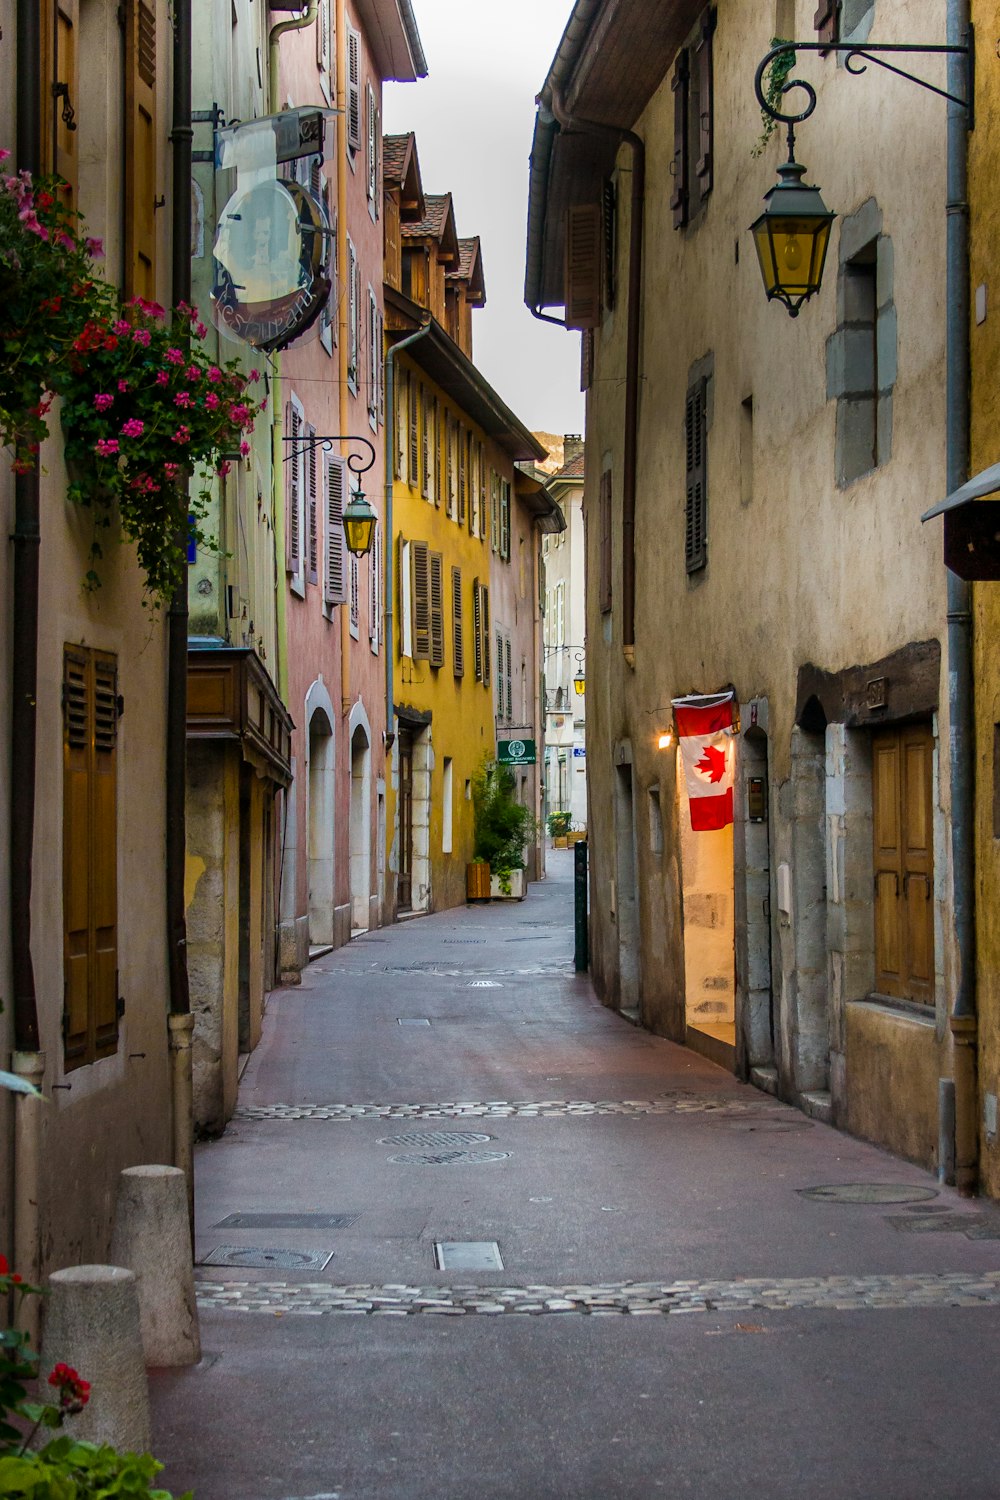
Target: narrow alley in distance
[451,1083]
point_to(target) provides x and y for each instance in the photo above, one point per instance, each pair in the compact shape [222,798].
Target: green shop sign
[516,752]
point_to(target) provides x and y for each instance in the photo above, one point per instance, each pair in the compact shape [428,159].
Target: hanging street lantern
[579,683]
[359,524]
[791,238]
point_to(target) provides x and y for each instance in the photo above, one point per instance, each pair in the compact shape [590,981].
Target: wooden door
[904,863]
[404,896]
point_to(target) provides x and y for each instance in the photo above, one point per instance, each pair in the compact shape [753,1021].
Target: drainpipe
[387,533]
[274,36]
[28,1060]
[631,433]
[960,685]
[180,1021]
[344,321]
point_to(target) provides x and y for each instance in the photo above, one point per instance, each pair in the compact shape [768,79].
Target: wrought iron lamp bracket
[356,462]
[856,57]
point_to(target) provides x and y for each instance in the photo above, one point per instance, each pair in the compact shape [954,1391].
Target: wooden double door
[902,784]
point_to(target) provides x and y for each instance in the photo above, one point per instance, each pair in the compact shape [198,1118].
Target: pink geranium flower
[142,336]
[211,401]
[183,398]
[162,377]
[175,356]
[103,401]
[106,446]
[133,427]
[123,385]
[182,435]
[214,374]
[95,247]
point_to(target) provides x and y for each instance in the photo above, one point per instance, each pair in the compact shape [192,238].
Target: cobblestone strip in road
[503,1109]
[610,1299]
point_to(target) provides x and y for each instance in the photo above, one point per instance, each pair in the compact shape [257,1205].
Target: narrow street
[625,1181]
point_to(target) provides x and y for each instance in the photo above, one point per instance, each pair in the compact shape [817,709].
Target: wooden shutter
[374,362]
[484,606]
[827,21]
[437,609]
[680,84]
[505,519]
[425,449]
[353,89]
[413,451]
[903,862]
[583,265]
[482,491]
[380,364]
[312,507]
[704,166]
[421,596]
[355,589]
[323,50]
[605,580]
[402,377]
[352,314]
[457,633]
[696,492]
[60,90]
[90,855]
[494,510]
[371,158]
[477,627]
[375,590]
[510,682]
[586,358]
[293,489]
[499,676]
[335,582]
[462,473]
[140,149]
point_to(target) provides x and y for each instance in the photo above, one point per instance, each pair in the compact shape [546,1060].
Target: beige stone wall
[799,569]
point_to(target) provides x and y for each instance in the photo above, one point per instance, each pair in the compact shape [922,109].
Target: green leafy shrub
[502,824]
[559,824]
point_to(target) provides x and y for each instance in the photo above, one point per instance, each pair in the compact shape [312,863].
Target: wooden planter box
[576,838]
[517,884]
[560,841]
[477,882]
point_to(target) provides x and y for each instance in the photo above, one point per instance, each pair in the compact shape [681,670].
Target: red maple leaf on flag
[712,763]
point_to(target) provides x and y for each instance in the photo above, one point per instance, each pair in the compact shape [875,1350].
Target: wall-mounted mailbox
[757,799]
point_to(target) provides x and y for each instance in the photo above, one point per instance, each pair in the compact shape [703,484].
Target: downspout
[388,533]
[298,23]
[181,1021]
[28,1060]
[633,318]
[960,685]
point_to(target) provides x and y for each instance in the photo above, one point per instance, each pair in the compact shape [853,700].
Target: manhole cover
[441,1139]
[447,1158]
[251,1258]
[936,1223]
[485,984]
[288,1221]
[868,1192]
[467,1255]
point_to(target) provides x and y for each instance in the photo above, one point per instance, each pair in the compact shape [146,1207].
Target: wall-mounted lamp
[666,740]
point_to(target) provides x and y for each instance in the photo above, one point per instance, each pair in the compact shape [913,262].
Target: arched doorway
[320,837]
[360,829]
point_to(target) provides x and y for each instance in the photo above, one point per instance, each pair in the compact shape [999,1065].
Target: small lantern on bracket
[359,524]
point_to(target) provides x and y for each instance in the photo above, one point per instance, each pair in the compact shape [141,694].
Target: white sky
[474,115]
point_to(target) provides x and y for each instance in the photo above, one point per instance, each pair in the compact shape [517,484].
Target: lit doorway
[360,830]
[708,897]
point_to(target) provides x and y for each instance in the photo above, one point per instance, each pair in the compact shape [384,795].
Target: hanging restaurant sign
[516,752]
[273,246]
[705,730]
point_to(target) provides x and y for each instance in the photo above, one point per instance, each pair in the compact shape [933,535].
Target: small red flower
[4,1267]
[74,1392]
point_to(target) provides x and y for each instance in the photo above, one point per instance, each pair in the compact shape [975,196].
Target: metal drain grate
[485,984]
[463,942]
[868,1192]
[412,1021]
[441,1139]
[467,1255]
[287,1221]
[447,1158]
[973,1226]
[250,1258]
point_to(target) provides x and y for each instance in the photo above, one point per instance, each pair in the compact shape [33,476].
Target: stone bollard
[152,1237]
[92,1323]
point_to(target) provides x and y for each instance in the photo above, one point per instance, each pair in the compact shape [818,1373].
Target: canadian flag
[705,729]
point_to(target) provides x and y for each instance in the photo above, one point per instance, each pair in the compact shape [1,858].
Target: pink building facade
[333,876]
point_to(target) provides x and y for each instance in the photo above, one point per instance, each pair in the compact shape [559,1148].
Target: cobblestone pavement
[635,1299]
[503,1109]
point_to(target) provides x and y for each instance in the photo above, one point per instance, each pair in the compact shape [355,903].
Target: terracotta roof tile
[394,152]
[571,470]
[432,225]
[466,259]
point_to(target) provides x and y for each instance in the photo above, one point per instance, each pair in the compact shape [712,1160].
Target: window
[420,586]
[334,541]
[843,20]
[90,855]
[413,432]
[861,354]
[457,637]
[375,559]
[693,123]
[373,137]
[696,479]
[425,450]
[436,455]
[481,628]
[353,299]
[605,564]
[481,528]
[140,139]
[295,486]
[449,445]
[353,90]
[405,613]
[403,377]
[436,563]
[746,451]
[902,762]
[509,680]
[462,440]
[355,577]
[375,360]
[494,510]
[505,519]
[447,798]
[499,675]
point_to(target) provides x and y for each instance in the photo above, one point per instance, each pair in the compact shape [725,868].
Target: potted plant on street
[559,826]
[502,828]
